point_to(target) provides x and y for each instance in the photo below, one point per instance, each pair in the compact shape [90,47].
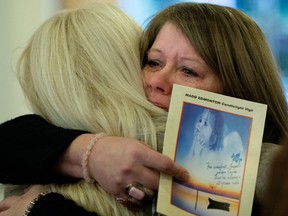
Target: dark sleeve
[29,148]
[56,205]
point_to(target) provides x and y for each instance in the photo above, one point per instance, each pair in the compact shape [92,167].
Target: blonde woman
[81,70]
[205,46]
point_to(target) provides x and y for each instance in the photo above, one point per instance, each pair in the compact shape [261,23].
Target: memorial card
[218,140]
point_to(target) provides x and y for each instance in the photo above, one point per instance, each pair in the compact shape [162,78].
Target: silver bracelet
[33,202]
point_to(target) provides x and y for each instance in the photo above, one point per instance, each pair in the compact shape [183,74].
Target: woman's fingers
[163,163]
[116,162]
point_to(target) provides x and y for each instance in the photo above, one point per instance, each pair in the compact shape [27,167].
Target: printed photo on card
[218,140]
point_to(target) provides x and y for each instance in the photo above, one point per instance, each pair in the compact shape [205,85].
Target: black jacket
[29,148]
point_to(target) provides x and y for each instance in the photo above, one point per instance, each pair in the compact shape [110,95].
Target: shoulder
[268,152]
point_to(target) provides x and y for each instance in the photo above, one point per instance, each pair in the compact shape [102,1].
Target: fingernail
[136,193]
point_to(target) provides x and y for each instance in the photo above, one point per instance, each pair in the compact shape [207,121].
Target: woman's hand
[16,205]
[116,162]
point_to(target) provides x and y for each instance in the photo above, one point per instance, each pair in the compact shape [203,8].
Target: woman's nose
[161,82]
[199,125]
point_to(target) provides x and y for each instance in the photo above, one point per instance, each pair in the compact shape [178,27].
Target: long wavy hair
[81,70]
[235,48]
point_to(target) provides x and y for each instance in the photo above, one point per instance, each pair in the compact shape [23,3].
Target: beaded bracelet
[33,202]
[86,155]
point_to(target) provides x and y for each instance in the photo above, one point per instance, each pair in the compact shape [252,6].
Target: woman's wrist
[85,157]
[70,163]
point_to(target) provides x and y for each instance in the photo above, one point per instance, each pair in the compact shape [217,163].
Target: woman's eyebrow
[154,50]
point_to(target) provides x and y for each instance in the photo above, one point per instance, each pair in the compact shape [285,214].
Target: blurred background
[20,18]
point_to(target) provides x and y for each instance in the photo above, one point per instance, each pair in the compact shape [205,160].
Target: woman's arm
[42,153]
[48,204]
[115,162]
[29,148]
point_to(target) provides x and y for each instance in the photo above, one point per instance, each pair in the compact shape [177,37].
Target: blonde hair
[234,47]
[81,70]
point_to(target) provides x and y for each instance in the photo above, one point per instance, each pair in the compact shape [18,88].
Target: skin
[16,205]
[203,131]
[171,60]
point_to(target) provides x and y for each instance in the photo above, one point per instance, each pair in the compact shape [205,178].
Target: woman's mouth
[160,105]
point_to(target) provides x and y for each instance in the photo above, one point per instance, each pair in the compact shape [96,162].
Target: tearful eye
[153,63]
[189,72]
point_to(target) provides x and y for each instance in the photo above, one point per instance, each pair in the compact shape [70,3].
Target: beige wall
[79,3]
[18,20]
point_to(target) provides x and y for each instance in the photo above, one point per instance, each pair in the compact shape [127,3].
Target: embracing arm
[29,148]
[38,152]
[40,205]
